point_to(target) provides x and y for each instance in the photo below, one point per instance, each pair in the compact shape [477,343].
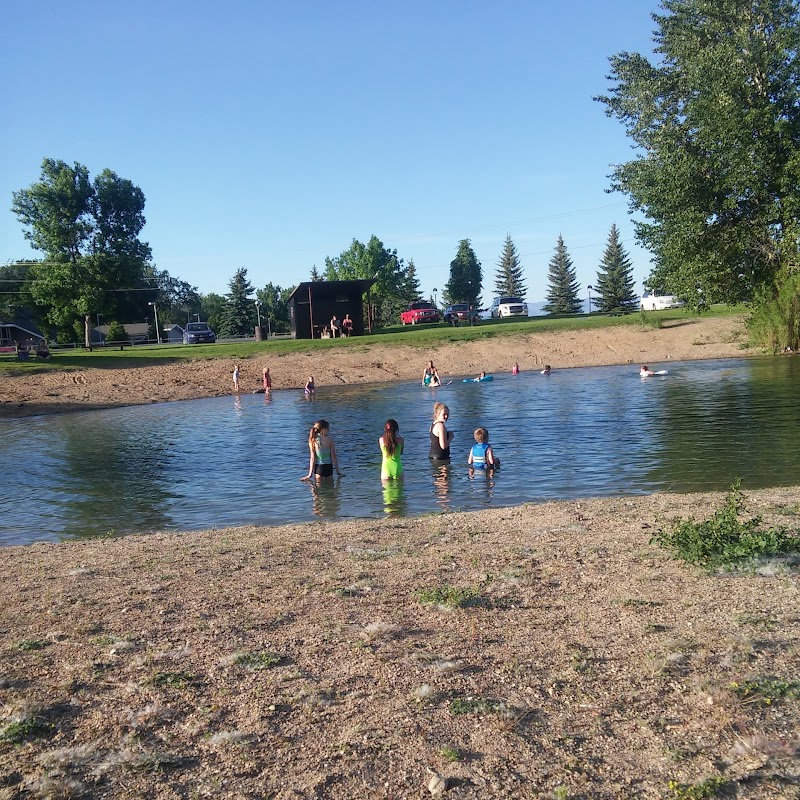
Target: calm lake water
[230,461]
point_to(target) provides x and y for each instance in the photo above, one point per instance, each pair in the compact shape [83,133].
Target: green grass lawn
[422,336]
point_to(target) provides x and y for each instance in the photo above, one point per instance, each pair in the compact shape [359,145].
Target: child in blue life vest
[481,456]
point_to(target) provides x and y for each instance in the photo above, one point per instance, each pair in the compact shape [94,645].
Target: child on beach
[322,451]
[481,456]
[391,446]
[267,381]
[309,388]
[515,369]
[236,379]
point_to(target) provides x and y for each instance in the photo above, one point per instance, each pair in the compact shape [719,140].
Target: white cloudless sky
[269,135]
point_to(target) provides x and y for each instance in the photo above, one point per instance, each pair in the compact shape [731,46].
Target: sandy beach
[56,391]
[543,651]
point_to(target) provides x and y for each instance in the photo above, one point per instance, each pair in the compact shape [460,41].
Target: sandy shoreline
[302,661]
[58,391]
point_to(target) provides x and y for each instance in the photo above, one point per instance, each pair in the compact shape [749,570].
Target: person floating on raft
[644,372]
[480,379]
[546,370]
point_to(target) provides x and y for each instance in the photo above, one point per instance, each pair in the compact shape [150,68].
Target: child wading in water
[323,452]
[481,456]
[392,451]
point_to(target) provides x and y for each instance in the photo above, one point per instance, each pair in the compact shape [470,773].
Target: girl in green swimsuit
[392,451]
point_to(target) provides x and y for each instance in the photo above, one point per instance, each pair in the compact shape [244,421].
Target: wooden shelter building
[313,303]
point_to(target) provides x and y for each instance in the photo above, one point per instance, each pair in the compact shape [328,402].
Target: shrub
[726,538]
[116,333]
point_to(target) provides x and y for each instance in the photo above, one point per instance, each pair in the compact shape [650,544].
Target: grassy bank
[422,336]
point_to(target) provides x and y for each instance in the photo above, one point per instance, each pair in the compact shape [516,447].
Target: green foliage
[238,318]
[212,310]
[508,277]
[391,292]
[710,787]
[766,690]
[449,753]
[449,596]
[562,292]
[258,661]
[32,644]
[314,275]
[176,299]
[466,277]
[20,731]
[412,289]
[775,319]
[716,121]
[726,538]
[116,332]
[177,680]
[274,306]
[89,233]
[614,284]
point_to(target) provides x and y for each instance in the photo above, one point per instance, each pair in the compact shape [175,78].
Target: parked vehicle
[508,307]
[197,333]
[653,301]
[420,311]
[462,312]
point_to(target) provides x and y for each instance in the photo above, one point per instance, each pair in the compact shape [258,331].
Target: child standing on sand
[236,379]
[267,381]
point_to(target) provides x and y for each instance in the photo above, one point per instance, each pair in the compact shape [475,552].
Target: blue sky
[269,135]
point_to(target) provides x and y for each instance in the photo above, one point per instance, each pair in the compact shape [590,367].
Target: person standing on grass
[347,325]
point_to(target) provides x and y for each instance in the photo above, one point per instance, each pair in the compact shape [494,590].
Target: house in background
[16,332]
[172,333]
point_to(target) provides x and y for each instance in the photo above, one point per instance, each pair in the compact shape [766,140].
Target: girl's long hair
[390,436]
[317,430]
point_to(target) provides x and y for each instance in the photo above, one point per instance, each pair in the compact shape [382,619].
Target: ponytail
[390,436]
[317,430]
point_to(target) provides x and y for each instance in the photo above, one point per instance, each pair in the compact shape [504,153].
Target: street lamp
[155,319]
[590,297]
[435,290]
[258,311]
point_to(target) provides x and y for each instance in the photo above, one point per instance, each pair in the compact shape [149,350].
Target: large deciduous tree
[614,284]
[466,276]
[390,293]
[89,232]
[274,306]
[715,117]
[238,318]
[562,289]
[508,280]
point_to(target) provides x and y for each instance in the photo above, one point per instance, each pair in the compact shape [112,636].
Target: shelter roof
[322,289]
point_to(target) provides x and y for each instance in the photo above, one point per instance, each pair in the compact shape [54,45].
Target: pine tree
[315,276]
[562,293]
[508,277]
[615,286]
[466,277]
[239,315]
[411,287]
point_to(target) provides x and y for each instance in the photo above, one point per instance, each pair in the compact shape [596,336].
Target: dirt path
[58,391]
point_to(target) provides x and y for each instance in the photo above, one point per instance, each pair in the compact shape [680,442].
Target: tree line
[95,266]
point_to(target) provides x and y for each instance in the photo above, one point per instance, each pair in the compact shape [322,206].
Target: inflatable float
[479,380]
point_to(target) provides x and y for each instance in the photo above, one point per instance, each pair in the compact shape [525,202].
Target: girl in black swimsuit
[439,435]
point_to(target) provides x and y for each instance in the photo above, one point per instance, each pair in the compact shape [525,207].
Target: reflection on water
[394,500]
[236,460]
[325,496]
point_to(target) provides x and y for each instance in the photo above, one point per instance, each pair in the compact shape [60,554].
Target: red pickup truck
[421,311]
